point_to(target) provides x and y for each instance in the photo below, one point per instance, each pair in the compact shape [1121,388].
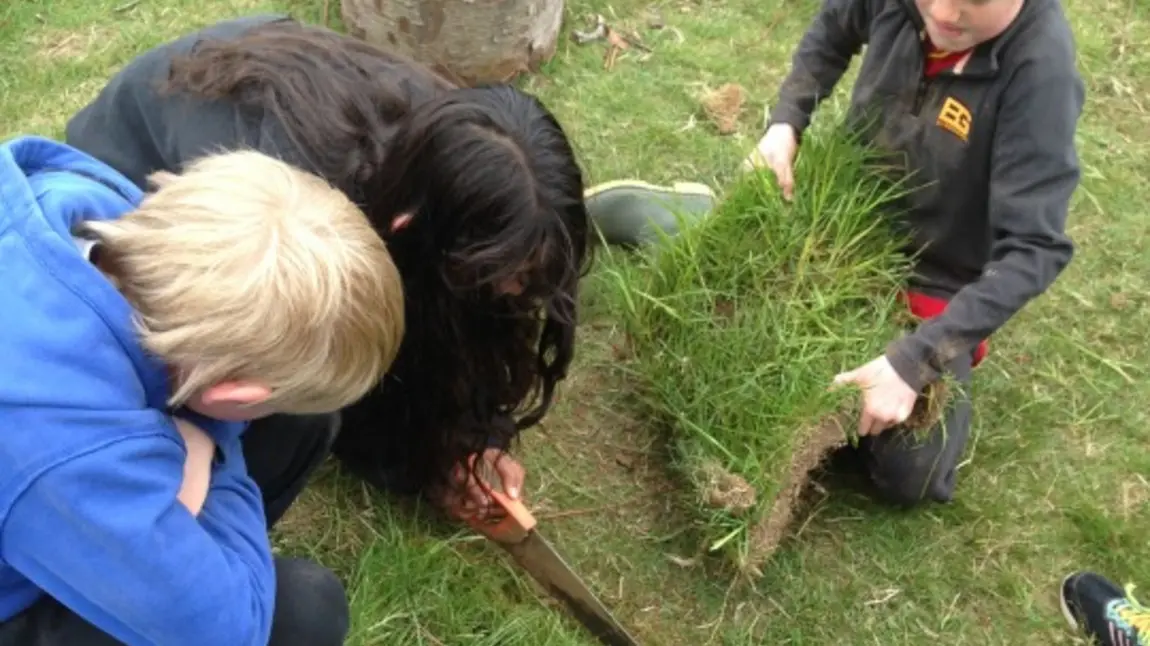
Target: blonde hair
[246,268]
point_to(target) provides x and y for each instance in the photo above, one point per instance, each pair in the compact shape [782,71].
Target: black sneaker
[1104,611]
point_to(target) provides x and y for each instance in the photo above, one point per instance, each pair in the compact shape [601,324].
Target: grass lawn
[1057,475]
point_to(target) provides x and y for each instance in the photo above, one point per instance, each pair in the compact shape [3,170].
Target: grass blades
[738,324]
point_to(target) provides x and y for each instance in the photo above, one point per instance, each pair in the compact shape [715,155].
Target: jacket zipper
[920,91]
[919,95]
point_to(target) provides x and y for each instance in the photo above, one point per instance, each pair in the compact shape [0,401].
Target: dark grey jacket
[991,149]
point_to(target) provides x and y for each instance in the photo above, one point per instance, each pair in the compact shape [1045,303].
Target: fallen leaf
[615,39]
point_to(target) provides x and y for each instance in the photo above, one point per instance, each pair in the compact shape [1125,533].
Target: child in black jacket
[980,99]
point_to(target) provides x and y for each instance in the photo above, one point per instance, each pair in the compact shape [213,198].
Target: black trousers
[311,605]
[906,470]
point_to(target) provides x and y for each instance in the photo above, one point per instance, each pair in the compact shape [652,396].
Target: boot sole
[1066,612]
[679,188]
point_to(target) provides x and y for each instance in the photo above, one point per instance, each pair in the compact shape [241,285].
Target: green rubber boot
[630,213]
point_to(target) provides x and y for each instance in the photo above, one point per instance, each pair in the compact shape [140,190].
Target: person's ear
[237,393]
[400,222]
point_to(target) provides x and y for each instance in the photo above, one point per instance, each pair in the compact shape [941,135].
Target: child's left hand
[887,399]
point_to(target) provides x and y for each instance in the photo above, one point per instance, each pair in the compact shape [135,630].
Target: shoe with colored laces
[1104,611]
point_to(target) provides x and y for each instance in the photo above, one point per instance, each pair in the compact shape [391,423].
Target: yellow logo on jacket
[955,117]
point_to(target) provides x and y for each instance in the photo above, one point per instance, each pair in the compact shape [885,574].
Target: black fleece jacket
[990,150]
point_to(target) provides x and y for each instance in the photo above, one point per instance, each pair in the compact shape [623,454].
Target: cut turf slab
[738,324]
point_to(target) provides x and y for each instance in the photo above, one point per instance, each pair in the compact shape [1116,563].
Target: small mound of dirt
[724,309]
[724,490]
[724,105]
[809,453]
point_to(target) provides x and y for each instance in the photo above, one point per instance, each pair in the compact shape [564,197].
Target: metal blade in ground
[538,558]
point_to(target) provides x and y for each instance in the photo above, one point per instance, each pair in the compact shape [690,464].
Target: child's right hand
[197,467]
[493,469]
[776,150]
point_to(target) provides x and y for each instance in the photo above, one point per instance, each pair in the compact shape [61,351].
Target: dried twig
[617,40]
[634,40]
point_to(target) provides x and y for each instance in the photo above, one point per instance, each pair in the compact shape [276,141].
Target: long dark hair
[495,196]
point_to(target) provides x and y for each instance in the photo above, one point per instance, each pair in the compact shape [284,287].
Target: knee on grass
[311,605]
[907,476]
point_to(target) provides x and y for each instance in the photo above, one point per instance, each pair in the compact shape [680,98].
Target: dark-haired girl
[476,190]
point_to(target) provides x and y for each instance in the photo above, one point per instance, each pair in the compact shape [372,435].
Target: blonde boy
[139,335]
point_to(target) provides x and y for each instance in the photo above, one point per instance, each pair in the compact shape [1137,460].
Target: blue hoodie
[90,460]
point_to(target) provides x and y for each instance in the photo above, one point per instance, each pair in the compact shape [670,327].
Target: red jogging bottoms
[925,307]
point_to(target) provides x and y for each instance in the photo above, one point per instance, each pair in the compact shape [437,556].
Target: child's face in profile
[958,25]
